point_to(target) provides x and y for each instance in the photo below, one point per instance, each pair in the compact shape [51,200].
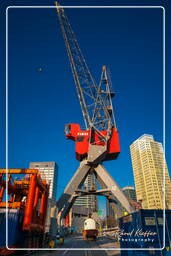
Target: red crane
[95,101]
[100,140]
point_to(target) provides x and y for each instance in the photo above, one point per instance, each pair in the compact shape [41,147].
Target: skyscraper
[88,201]
[130,192]
[150,170]
[49,171]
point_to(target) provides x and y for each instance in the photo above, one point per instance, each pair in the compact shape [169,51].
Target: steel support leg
[106,180]
[68,197]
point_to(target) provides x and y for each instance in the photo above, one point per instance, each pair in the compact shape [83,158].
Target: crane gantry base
[110,188]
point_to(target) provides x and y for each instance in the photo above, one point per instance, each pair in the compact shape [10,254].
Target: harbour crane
[99,141]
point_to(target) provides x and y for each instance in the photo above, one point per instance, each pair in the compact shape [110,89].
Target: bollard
[61,240]
[52,244]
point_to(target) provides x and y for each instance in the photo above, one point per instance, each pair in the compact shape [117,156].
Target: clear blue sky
[128,41]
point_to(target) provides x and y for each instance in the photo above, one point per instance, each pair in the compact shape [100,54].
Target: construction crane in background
[100,140]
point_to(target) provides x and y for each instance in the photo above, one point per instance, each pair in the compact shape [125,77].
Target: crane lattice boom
[85,84]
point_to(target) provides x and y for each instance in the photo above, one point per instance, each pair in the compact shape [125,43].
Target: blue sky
[128,41]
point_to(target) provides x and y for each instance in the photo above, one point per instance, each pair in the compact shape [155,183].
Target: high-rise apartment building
[130,192]
[150,171]
[88,201]
[49,171]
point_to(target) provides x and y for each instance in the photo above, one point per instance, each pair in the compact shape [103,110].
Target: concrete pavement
[74,244]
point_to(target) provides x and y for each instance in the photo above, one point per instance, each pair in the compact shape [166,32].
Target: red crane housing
[84,138]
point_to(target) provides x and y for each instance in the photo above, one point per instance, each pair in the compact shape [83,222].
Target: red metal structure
[95,101]
[28,194]
[84,138]
[67,221]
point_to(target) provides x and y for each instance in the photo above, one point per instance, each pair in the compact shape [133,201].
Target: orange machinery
[28,193]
